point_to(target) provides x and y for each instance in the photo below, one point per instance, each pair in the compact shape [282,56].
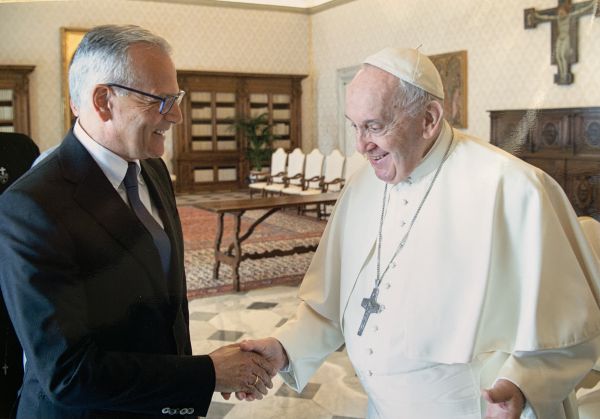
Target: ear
[73,108]
[432,122]
[100,102]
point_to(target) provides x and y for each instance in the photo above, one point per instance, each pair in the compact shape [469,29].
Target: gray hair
[412,99]
[102,57]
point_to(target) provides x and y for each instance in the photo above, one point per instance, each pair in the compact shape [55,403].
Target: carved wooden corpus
[564,19]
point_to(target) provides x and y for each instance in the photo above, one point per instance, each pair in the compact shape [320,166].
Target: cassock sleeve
[308,340]
[564,368]
[315,331]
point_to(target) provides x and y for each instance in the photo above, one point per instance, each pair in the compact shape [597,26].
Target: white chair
[295,173]
[333,181]
[353,163]
[278,161]
[588,394]
[313,175]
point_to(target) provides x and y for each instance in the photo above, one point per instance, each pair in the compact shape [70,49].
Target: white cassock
[496,280]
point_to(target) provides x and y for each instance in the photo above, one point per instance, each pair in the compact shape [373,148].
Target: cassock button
[393,265]
[376,328]
[370,350]
[388,285]
[404,202]
[370,373]
[402,223]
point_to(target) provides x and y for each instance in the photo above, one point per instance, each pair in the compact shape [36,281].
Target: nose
[361,141]
[174,116]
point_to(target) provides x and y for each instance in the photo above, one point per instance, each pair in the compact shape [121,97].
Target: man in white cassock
[456,275]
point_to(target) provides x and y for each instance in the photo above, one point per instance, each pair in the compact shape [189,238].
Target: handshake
[246,368]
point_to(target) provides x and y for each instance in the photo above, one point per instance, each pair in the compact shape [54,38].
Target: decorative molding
[69,41]
[253,6]
[344,76]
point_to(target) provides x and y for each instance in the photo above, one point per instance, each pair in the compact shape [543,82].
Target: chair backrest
[334,167]
[591,229]
[314,167]
[278,161]
[353,163]
[296,165]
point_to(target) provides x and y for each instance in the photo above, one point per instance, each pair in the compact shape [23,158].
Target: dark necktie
[161,240]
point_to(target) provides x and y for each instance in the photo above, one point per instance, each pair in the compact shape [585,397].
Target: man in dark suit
[91,256]
[17,153]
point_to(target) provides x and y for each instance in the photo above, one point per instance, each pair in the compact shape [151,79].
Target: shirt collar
[113,166]
[434,156]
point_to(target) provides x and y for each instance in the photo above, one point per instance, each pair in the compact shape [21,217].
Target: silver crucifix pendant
[371,306]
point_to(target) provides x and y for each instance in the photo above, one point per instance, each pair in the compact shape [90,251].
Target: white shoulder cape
[495,262]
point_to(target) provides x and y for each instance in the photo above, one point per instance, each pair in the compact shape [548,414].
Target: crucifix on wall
[565,27]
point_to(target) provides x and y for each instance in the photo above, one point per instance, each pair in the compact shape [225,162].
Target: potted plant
[259,139]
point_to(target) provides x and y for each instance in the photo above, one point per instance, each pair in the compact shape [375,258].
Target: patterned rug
[282,230]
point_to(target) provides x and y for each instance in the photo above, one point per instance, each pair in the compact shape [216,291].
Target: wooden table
[233,255]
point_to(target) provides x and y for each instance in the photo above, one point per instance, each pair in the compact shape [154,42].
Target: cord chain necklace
[370,304]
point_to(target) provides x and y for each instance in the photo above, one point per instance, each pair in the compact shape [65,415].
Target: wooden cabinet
[565,143]
[208,154]
[14,98]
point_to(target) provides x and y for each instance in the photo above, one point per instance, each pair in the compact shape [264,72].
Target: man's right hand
[272,351]
[239,371]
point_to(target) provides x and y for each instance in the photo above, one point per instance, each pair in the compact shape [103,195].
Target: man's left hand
[505,401]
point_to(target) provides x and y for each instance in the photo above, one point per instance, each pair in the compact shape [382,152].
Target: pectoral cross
[371,306]
[565,29]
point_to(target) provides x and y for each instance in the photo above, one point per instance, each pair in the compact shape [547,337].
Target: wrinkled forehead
[372,85]
[154,68]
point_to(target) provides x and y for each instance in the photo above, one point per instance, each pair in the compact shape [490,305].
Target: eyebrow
[368,121]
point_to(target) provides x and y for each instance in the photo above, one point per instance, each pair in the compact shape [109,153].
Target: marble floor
[334,392]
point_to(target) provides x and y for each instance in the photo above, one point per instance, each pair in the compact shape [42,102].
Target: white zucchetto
[410,66]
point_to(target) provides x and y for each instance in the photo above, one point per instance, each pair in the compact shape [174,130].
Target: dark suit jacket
[104,332]
[17,153]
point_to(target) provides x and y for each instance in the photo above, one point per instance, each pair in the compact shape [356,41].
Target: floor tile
[334,390]
[307,393]
[200,316]
[278,408]
[218,410]
[259,305]
[251,322]
[226,335]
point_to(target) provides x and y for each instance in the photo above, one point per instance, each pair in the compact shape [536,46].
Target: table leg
[218,246]
[237,257]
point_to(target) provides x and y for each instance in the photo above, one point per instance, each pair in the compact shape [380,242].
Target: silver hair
[102,57]
[412,99]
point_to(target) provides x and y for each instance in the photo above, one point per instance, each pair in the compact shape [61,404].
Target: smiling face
[390,138]
[136,128]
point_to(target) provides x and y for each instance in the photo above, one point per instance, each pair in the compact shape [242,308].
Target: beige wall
[508,66]
[203,38]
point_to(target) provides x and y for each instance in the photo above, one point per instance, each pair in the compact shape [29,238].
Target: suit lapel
[96,195]
[161,191]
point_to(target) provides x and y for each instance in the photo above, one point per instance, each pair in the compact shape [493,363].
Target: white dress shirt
[114,168]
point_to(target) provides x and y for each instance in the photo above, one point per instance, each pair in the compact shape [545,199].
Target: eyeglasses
[166,102]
